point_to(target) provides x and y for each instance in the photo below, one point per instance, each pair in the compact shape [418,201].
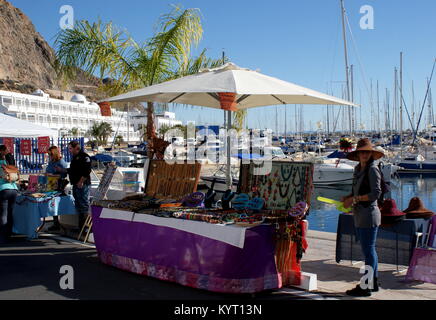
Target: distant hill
[26,59]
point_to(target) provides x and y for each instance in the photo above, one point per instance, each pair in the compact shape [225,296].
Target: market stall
[31,210]
[244,249]
[41,196]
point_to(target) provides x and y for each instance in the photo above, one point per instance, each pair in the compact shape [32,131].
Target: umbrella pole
[228,168]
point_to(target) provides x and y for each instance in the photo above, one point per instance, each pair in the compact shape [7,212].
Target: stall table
[220,258]
[394,245]
[29,211]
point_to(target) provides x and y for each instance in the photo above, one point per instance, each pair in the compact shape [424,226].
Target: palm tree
[163,130]
[100,132]
[100,47]
[94,133]
[105,131]
[119,140]
[74,132]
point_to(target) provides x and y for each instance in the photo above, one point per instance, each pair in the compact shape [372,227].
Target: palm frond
[171,47]
[96,48]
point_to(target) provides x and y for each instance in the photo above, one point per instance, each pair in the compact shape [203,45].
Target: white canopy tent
[251,89]
[16,128]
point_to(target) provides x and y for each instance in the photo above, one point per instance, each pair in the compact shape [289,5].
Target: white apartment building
[63,115]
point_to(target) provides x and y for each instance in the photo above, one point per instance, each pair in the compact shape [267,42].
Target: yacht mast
[395,107]
[401,104]
[413,107]
[430,107]
[353,116]
[285,122]
[346,67]
[378,111]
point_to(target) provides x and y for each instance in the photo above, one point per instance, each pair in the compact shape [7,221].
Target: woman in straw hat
[367,217]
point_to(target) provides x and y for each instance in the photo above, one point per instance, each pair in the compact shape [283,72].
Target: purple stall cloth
[423,263]
[236,260]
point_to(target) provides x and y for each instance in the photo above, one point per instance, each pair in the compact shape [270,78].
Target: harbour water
[324,217]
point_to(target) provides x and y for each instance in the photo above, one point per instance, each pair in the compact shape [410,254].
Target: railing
[35,162]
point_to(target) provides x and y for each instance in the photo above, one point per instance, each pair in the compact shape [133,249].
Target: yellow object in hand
[339,204]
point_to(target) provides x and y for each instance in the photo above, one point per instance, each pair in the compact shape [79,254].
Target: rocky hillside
[26,59]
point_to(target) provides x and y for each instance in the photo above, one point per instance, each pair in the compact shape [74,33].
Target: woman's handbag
[11,173]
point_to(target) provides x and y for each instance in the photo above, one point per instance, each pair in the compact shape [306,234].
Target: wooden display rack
[171,181]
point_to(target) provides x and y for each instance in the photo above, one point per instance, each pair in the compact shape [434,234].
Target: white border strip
[229,234]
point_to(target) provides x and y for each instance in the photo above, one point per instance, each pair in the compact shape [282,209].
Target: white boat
[333,174]
[336,171]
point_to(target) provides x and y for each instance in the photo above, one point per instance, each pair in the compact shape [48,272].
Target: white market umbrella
[250,89]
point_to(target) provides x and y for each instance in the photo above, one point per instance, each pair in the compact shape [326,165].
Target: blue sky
[297,41]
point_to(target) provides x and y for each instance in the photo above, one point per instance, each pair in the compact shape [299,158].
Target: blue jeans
[368,237]
[81,202]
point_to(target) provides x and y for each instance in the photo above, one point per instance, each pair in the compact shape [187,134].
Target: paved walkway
[334,279]
[30,270]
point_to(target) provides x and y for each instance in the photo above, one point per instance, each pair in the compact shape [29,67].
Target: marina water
[324,217]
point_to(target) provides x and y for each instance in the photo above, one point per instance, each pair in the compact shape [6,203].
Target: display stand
[102,189]
[282,187]
[105,182]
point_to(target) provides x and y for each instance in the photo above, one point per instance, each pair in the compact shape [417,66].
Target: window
[7,100]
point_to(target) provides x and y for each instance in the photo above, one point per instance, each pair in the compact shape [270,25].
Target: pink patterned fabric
[199,281]
[432,236]
[422,266]
[423,263]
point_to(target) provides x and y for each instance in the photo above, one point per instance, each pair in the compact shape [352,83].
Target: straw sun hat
[364,145]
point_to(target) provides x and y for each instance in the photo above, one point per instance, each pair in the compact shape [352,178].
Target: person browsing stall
[7,155]
[366,191]
[8,195]
[55,160]
[79,175]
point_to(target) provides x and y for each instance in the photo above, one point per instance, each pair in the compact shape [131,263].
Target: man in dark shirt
[79,174]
